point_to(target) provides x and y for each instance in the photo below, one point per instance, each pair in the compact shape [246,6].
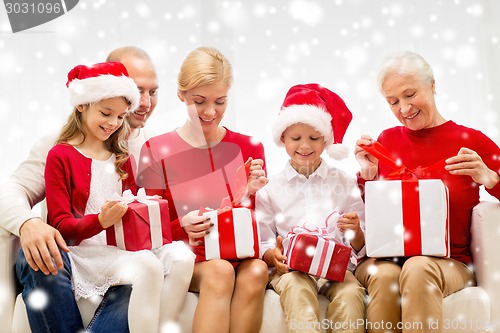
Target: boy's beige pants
[299,299]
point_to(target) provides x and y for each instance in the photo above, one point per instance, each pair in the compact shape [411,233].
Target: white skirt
[96,266]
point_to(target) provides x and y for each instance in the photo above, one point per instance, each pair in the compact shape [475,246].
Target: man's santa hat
[320,108]
[90,84]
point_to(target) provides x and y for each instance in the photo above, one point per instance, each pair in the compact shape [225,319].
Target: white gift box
[406,218]
[234,236]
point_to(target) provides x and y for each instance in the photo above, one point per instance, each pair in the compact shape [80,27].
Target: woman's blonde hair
[116,143]
[202,66]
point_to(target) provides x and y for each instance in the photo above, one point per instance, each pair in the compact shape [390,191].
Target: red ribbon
[410,193]
[227,204]
[323,257]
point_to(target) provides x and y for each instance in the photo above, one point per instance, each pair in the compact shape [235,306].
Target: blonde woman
[193,167]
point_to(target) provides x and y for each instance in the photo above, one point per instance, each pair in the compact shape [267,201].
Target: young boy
[311,120]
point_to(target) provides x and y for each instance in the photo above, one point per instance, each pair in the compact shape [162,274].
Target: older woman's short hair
[405,63]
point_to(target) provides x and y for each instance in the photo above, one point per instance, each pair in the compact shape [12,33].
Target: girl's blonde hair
[116,143]
[202,66]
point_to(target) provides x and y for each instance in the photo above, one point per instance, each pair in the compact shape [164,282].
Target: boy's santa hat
[90,84]
[320,108]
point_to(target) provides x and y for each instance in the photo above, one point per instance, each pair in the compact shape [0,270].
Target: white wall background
[272,45]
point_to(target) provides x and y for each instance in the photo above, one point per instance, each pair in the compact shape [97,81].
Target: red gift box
[316,254]
[145,225]
[234,236]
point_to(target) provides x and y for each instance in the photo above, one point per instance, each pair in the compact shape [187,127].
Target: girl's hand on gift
[257,176]
[368,163]
[196,226]
[469,163]
[349,224]
[111,213]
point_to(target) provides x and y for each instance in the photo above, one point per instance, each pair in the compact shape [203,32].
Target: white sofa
[477,308]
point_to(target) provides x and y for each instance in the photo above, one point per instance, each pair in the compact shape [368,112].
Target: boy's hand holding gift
[317,251]
[349,225]
[274,257]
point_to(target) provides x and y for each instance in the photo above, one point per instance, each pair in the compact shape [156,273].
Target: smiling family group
[104,149]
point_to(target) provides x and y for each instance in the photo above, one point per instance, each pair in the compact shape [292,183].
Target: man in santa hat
[313,119]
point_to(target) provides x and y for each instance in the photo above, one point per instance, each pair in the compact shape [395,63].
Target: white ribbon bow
[327,232]
[127,196]
[154,216]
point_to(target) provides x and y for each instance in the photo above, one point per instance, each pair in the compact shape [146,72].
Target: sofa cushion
[469,307]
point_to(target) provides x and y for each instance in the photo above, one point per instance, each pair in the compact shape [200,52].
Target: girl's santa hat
[320,108]
[90,84]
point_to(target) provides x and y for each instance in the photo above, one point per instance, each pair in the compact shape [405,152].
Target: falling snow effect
[170,327]
[336,43]
[38,299]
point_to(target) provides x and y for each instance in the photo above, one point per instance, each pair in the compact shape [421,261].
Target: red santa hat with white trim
[320,108]
[90,84]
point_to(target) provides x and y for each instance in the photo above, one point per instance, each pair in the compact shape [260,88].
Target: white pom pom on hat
[90,84]
[315,105]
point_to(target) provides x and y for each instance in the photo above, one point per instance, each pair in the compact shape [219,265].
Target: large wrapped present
[406,216]
[316,252]
[145,225]
[234,236]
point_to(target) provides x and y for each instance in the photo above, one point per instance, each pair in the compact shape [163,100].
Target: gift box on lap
[406,218]
[406,214]
[318,256]
[145,225]
[234,236]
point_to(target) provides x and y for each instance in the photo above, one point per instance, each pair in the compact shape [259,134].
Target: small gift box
[406,218]
[316,252]
[234,236]
[404,215]
[145,225]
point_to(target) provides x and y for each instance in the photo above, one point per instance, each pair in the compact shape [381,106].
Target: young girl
[88,164]
[192,167]
[312,119]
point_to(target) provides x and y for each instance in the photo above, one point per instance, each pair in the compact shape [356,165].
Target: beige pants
[410,298]
[299,299]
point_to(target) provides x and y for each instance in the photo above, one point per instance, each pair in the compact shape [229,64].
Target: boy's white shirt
[290,199]
[26,186]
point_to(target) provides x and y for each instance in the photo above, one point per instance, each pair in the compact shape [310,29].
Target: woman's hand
[196,226]
[467,162]
[111,213]
[257,176]
[368,163]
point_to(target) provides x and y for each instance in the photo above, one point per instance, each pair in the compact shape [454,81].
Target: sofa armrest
[485,248]
[9,247]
